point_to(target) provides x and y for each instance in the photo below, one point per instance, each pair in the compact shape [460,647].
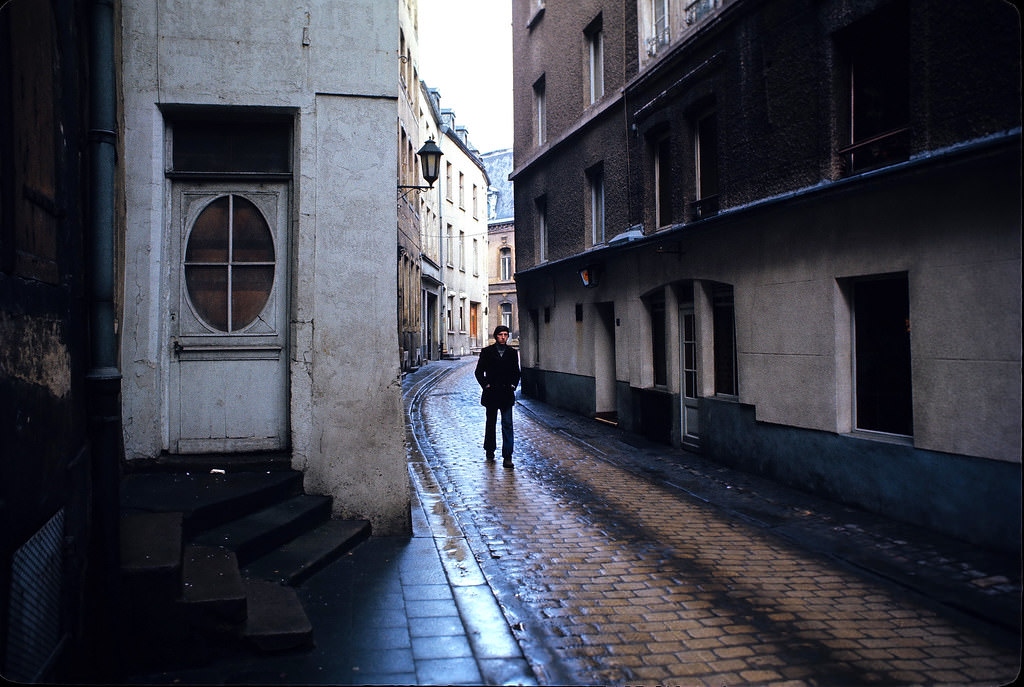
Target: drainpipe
[104,377]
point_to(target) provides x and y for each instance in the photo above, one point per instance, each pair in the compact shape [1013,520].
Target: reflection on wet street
[608,577]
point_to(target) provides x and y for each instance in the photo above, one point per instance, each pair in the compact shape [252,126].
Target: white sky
[466,53]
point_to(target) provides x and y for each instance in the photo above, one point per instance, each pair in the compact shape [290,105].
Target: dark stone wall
[574,393]
[975,499]
[45,451]
[775,74]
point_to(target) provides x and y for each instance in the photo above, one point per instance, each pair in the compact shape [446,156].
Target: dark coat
[498,376]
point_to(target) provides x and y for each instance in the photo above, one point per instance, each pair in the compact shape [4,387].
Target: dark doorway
[883,375]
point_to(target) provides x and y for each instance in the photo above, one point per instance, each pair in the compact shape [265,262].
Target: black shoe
[507,463]
[490,456]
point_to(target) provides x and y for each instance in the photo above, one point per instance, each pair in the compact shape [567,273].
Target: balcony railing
[704,207]
[877,151]
[699,9]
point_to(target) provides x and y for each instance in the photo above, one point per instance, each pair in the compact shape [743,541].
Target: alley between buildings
[613,568]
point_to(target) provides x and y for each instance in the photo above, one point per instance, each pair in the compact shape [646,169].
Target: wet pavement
[617,561]
[605,559]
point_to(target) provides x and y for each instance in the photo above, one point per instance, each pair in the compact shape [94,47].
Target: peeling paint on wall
[33,350]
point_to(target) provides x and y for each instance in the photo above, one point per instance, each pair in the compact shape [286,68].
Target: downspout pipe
[104,377]
[103,160]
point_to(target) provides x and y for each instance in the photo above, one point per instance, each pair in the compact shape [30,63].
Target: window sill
[883,437]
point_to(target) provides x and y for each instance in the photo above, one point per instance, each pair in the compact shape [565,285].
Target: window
[403,164]
[540,111]
[448,239]
[448,181]
[401,56]
[595,180]
[462,190]
[462,315]
[231,146]
[476,257]
[659,26]
[462,251]
[881,320]
[705,163]
[451,308]
[476,212]
[229,264]
[505,260]
[877,89]
[698,9]
[542,229]
[724,315]
[689,342]
[506,315]
[594,38]
[659,355]
[663,182]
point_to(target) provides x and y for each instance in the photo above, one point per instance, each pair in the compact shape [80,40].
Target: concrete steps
[260,532]
[297,560]
[208,562]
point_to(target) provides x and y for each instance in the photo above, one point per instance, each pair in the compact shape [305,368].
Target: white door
[228,310]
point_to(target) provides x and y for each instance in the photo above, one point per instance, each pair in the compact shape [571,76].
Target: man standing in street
[498,373]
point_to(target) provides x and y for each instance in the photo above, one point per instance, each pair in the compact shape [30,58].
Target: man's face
[501,338]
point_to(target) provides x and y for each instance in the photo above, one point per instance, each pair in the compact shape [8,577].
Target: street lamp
[430,163]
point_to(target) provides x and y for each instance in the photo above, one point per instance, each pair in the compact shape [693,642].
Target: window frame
[505,263]
[876,47]
[540,205]
[596,210]
[897,378]
[540,111]
[594,39]
[662,181]
[726,359]
[706,172]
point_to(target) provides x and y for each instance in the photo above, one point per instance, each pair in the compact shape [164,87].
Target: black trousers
[490,438]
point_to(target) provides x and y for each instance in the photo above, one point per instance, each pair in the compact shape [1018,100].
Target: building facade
[455,237]
[502,305]
[410,293]
[785,235]
[259,272]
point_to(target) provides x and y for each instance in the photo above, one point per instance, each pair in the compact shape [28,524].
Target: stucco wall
[332,66]
[788,265]
[353,445]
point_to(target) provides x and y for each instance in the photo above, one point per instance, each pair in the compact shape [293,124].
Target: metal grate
[33,630]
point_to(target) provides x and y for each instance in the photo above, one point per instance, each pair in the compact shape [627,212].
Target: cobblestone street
[607,575]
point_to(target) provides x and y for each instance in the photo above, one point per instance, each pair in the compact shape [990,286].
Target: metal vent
[33,630]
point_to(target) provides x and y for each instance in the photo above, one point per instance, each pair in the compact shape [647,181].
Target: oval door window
[229,264]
